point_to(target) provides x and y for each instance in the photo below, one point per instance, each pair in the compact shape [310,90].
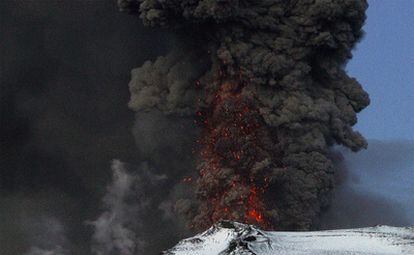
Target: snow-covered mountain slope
[229,238]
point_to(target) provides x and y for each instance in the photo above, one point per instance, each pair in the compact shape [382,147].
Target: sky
[384,64]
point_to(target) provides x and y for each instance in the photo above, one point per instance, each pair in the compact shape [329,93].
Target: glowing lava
[230,184]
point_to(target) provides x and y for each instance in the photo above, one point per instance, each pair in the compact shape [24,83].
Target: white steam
[117,230]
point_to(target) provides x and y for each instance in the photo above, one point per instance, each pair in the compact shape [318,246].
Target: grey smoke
[166,144]
[130,209]
[38,251]
[167,84]
[376,187]
[48,237]
[64,72]
[112,229]
[30,224]
[64,93]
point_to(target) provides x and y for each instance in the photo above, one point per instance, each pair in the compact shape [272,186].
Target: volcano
[230,238]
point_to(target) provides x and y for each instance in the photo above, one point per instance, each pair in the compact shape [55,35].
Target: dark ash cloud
[278,65]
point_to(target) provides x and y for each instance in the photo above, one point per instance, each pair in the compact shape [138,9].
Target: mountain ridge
[232,238]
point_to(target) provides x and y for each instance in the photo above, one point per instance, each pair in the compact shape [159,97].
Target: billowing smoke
[265,84]
[133,220]
[112,228]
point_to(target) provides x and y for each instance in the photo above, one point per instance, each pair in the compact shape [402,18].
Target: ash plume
[266,84]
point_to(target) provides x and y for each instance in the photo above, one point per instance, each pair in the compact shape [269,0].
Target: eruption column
[282,101]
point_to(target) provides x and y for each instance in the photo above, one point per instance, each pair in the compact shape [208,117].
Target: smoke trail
[265,81]
[111,231]
[118,229]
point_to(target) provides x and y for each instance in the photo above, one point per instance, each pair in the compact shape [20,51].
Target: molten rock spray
[265,82]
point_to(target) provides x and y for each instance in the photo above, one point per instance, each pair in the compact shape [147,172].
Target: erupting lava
[231,147]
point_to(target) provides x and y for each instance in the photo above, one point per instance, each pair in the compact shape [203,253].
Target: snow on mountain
[230,238]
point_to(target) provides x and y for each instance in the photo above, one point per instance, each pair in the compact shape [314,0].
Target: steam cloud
[279,66]
[112,233]
[132,219]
